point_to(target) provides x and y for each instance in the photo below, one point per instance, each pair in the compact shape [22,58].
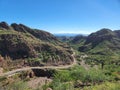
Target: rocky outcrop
[43,72]
[4,26]
[18,28]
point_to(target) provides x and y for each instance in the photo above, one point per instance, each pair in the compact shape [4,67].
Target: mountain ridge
[19,41]
[104,37]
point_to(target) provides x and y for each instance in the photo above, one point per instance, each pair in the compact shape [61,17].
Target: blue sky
[63,16]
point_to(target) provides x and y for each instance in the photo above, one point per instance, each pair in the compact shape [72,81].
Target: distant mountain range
[67,37]
[68,34]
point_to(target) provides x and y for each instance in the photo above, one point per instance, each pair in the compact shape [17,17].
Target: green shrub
[63,76]
[17,86]
[105,86]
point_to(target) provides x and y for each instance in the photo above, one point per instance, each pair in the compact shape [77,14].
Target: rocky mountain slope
[21,42]
[102,47]
[104,39]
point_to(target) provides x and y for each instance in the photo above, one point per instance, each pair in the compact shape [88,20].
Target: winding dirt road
[44,67]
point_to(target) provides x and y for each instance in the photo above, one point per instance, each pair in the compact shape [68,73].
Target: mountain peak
[100,36]
[18,27]
[103,31]
[4,25]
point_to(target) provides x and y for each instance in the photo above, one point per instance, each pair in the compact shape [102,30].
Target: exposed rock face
[43,72]
[18,28]
[19,41]
[4,25]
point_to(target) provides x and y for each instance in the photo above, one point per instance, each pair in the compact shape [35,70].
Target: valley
[32,59]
